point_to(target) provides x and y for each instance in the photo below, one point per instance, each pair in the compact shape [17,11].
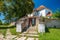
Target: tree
[0,22]
[1,5]
[57,14]
[15,9]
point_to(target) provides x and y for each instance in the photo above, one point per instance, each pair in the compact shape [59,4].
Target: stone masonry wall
[52,23]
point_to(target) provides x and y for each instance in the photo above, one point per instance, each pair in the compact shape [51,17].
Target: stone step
[26,38]
[30,39]
[36,39]
[31,30]
[8,32]
[29,35]
[22,38]
[34,32]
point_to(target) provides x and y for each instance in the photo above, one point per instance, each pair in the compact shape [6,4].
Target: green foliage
[0,22]
[57,14]
[1,5]
[15,9]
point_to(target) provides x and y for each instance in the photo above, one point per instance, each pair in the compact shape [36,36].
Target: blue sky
[1,16]
[51,4]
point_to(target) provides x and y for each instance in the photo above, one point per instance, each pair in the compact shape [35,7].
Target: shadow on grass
[47,29]
[7,27]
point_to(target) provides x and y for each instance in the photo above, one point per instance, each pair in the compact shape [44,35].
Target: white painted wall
[18,28]
[41,28]
[42,13]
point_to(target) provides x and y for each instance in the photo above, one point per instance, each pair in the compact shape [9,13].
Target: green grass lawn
[3,31]
[3,25]
[13,31]
[54,34]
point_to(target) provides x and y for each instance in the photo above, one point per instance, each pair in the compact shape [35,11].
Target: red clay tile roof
[39,8]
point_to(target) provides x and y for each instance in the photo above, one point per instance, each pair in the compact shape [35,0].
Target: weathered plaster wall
[53,23]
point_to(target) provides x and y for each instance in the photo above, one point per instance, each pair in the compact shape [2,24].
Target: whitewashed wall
[41,28]
[18,27]
[42,13]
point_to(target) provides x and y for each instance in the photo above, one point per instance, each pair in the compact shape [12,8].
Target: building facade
[42,11]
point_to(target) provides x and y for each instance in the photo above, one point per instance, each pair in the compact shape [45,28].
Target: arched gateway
[29,24]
